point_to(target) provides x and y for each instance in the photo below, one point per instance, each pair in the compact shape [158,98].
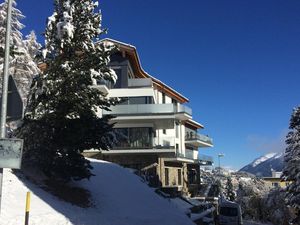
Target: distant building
[275,181]
[156,130]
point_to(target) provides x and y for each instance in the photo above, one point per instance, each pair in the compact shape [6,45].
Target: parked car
[230,213]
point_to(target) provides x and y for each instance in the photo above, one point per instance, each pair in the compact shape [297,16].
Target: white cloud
[267,144]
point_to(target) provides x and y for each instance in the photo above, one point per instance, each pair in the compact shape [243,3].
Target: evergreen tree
[61,120]
[291,172]
[22,67]
[229,189]
[31,45]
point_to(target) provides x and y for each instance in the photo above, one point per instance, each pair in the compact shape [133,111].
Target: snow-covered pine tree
[61,120]
[22,67]
[229,189]
[31,45]
[291,171]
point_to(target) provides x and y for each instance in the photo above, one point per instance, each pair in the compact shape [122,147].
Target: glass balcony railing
[142,82]
[205,158]
[184,109]
[190,136]
[164,142]
[107,83]
[136,109]
[189,154]
[140,109]
[151,143]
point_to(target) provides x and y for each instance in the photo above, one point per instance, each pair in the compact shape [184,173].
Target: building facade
[155,130]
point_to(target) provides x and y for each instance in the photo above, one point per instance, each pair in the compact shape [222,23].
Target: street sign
[14,102]
[11,153]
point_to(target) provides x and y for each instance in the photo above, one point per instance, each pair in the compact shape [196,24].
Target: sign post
[5,83]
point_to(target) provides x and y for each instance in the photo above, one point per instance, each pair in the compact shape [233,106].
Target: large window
[134,137]
[137,100]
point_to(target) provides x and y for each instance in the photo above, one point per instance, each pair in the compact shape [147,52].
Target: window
[177,146]
[179,177]
[164,131]
[136,100]
[163,98]
[134,137]
[167,182]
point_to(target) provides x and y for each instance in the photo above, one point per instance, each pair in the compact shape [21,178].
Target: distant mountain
[264,165]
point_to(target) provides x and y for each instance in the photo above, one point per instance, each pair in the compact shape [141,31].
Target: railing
[154,143]
[147,109]
[140,109]
[189,154]
[142,82]
[205,158]
[164,142]
[184,109]
[107,83]
[194,136]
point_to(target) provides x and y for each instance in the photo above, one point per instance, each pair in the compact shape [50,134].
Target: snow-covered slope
[119,196]
[263,165]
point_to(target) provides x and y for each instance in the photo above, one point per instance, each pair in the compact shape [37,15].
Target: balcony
[153,145]
[198,140]
[144,109]
[205,159]
[140,83]
[140,109]
[102,85]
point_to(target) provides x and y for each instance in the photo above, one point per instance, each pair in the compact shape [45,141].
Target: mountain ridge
[263,166]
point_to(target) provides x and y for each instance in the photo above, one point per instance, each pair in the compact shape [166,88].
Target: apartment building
[155,129]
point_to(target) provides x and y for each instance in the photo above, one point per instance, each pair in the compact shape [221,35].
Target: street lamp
[219,156]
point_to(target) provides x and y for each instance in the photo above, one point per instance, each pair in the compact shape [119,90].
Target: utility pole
[5,84]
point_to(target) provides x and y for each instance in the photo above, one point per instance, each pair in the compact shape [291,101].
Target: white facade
[154,106]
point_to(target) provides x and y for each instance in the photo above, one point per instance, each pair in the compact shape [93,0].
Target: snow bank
[119,196]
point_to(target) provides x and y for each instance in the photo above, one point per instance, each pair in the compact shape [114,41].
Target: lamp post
[219,156]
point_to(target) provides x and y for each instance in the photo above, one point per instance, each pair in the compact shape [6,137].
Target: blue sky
[237,61]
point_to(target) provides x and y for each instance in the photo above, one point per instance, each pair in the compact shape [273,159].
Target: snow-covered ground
[120,199]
